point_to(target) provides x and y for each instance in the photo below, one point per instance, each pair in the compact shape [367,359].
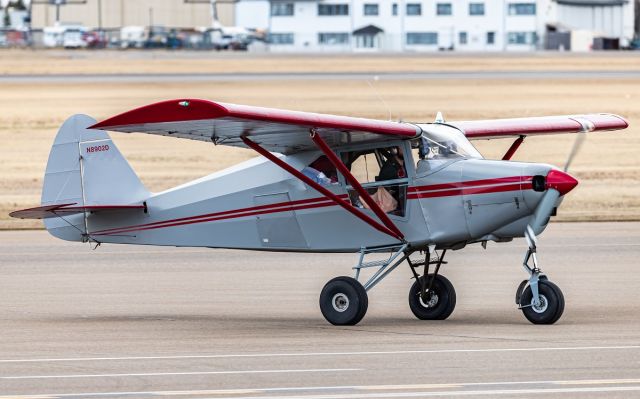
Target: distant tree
[637,24]
[17,5]
[7,19]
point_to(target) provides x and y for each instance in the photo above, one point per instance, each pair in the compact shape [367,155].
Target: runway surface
[146,322]
[302,76]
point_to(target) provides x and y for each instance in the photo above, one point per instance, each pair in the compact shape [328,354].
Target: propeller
[585,127]
[546,205]
[577,144]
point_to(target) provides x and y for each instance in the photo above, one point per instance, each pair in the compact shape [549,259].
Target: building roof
[592,3]
[368,30]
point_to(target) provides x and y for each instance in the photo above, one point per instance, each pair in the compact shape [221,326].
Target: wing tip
[175,110]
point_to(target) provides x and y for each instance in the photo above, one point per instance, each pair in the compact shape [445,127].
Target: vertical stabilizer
[86,168]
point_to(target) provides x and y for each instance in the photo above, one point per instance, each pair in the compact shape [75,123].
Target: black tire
[343,301]
[553,303]
[441,302]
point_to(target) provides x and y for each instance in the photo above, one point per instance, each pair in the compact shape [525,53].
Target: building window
[423,38]
[394,9]
[370,9]
[333,9]
[462,37]
[491,37]
[476,8]
[522,38]
[444,9]
[281,9]
[522,9]
[414,9]
[333,38]
[281,38]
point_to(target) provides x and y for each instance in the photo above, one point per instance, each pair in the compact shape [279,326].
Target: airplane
[392,192]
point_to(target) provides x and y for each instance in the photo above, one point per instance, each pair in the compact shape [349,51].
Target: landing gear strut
[344,300]
[432,296]
[540,300]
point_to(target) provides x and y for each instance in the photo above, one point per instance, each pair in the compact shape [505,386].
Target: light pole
[100,16]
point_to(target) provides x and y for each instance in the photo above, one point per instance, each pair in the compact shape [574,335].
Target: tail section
[86,168]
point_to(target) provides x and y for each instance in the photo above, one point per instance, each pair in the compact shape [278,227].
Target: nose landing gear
[540,300]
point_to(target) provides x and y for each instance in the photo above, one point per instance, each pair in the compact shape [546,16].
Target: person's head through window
[393,166]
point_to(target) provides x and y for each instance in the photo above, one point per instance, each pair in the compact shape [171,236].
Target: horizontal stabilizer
[51,211]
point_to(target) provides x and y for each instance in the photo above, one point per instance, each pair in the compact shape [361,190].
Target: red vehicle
[95,39]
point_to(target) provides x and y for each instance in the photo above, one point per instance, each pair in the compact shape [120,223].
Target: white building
[428,25]
[589,19]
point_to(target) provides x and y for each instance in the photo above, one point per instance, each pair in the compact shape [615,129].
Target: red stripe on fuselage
[484,186]
[470,183]
[217,218]
[469,191]
[267,208]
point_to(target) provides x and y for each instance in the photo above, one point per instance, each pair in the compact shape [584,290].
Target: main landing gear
[432,296]
[540,300]
[344,300]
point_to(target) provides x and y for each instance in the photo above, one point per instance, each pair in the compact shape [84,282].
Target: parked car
[67,36]
[52,36]
[95,39]
[132,37]
[73,37]
[157,38]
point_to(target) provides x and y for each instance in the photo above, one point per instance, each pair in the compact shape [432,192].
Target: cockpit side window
[322,171]
[382,172]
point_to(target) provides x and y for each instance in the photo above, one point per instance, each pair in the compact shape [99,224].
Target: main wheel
[343,301]
[439,302]
[551,303]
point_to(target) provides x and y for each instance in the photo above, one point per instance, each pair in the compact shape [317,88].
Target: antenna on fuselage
[375,90]
[439,118]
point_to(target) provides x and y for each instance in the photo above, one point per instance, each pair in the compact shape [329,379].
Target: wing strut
[322,145]
[339,201]
[514,147]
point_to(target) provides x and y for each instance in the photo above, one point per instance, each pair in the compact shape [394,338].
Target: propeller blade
[575,149]
[532,240]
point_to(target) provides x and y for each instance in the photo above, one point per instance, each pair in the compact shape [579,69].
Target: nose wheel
[550,304]
[540,300]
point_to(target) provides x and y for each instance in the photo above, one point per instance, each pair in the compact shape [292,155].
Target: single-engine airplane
[323,183]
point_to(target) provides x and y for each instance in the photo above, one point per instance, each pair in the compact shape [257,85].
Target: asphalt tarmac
[313,76]
[146,322]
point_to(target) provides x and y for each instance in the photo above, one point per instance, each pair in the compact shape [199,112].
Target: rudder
[86,168]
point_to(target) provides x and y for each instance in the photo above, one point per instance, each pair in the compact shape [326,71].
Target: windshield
[438,143]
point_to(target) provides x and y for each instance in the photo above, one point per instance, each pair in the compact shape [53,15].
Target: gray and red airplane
[323,183]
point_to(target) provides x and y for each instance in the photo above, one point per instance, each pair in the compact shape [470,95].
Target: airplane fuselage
[256,205]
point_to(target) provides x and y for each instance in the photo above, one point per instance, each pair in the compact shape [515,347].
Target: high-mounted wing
[276,130]
[502,128]
[58,210]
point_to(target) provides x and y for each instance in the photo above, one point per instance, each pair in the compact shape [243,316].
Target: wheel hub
[340,302]
[542,306]
[431,300]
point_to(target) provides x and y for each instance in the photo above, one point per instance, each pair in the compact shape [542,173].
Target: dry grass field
[161,61]
[608,166]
